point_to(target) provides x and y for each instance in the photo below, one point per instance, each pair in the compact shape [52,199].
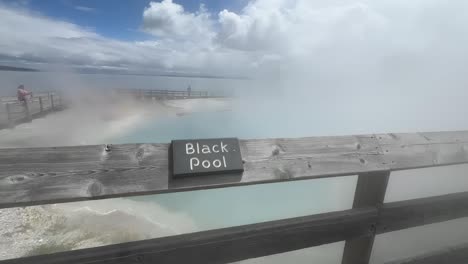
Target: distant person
[189,90]
[22,94]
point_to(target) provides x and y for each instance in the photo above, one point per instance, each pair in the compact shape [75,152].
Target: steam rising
[46,229]
[314,67]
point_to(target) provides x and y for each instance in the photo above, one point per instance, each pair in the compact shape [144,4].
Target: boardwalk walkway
[13,112]
[166,94]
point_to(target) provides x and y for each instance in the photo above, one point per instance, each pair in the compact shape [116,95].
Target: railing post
[8,111]
[52,106]
[26,108]
[59,101]
[41,106]
[370,191]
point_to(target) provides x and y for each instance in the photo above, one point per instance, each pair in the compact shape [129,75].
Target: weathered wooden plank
[450,255]
[370,191]
[136,154]
[227,244]
[421,150]
[406,214]
[271,159]
[265,161]
[423,156]
[96,173]
[423,138]
[268,160]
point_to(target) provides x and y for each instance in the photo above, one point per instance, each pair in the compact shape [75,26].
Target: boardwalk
[166,94]
[13,112]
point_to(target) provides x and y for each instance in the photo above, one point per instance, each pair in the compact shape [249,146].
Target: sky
[236,37]
[114,19]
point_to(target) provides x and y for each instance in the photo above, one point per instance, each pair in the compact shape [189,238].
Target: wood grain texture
[450,255]
[421,150]
[370,191]
[411,213]
[32,176]
[224,245]
[55,174]
[47,175]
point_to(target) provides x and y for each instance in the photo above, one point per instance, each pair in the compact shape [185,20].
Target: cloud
[352,42]
[359,39]
[28,35]
[85,9]
[293,26]
[168,19]
[68,44]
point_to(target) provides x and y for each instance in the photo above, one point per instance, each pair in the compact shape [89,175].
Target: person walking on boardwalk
[189,90]
[22,94]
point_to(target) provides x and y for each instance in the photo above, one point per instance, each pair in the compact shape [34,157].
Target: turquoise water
[298,112]
[226,207]
[194,125]
[240,205]
[269,117]
[245,205]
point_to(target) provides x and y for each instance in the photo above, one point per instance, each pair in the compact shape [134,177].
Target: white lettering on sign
[189,149]
[199,157]
[195,162]
[206,164]
[214,149]
[217,163]
[223,147]
[205,149]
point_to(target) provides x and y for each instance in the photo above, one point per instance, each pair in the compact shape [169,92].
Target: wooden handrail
[5,99]
[165,93]
[20,112]
[90,172]
[423,211]
[94,172]
[262,239]
[451,255]
[227,244]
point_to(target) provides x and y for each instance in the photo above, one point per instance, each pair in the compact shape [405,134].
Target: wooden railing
[65,174]
[13,112]
[166,94]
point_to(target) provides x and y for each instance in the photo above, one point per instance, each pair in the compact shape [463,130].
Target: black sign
[206,156]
